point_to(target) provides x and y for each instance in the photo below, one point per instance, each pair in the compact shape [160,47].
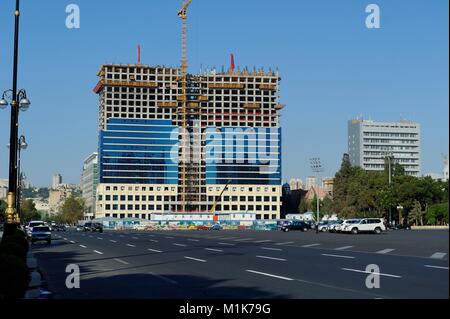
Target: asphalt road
[246,264]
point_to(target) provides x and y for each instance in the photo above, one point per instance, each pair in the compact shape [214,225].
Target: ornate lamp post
[18,101]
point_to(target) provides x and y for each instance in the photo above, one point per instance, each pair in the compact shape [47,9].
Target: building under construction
[177,142]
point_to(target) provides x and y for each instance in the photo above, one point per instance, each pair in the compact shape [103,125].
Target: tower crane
[182,13]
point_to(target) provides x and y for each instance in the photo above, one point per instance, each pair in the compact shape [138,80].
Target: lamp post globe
[24,104]
[3,104]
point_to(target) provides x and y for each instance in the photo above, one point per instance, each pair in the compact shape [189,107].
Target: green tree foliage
[72,210]
[2,211]
[28,211]
[361,193]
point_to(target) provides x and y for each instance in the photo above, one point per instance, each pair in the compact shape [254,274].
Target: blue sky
[333,68]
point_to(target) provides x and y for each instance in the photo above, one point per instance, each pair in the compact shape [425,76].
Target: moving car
[295,225]
[59,228]
[216,227]
[87,226]
[32,224]
[41,233]
[79,228]
[366,225]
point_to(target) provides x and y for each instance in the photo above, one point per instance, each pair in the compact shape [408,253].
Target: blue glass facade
[134,151]
[243,156]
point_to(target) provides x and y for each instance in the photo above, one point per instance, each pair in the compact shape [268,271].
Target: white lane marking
[72,242]
[271,258]
[310,245]
[91,236]
[344,248]
[226,244]
[195,259]
[82,246]
[129,245]
[65,238]
[153,240]
[180,245]
[98,252]
[437,267]
[242,239]
[285,243]
[135,237]
[121,236]
[275,249]
[372,273]
[385,251]
[193,239]
[163,278]
[121,261]
[262,241]
[225,238]
[338,256]
[216,250]
[438,255]
[154,250]
[269,275]
[113,241]
[151,235]
[99,238]
[168,237]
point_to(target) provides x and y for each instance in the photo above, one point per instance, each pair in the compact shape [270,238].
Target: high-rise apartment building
[370,142]
[89,182]
[56,181]
[233,129]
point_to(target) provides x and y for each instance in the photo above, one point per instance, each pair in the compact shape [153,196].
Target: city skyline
[334,53]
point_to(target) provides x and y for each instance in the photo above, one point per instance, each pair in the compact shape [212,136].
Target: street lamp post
[18,101]
[316,167]
[22,146]
[389,156]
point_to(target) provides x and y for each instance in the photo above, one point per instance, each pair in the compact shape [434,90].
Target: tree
[72,210]
[28,211]
[341,182]
[303,207]
[416,213]
[2,211]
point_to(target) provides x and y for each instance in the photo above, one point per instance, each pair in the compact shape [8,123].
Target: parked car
[41,233]
[216,227]
[340,227]
[334,225]
[295,225]
[87,226]
[323,226]
[366,225]
[97,227]
[203,227]
[403,226]
[79,228]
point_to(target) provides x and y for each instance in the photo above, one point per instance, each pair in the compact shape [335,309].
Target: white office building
[370,142]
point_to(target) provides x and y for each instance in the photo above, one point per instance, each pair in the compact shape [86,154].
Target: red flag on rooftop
[232,62]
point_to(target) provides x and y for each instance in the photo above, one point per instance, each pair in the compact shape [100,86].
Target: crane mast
[185,143]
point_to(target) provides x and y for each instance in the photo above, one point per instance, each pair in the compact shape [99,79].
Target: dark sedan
[295,225]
